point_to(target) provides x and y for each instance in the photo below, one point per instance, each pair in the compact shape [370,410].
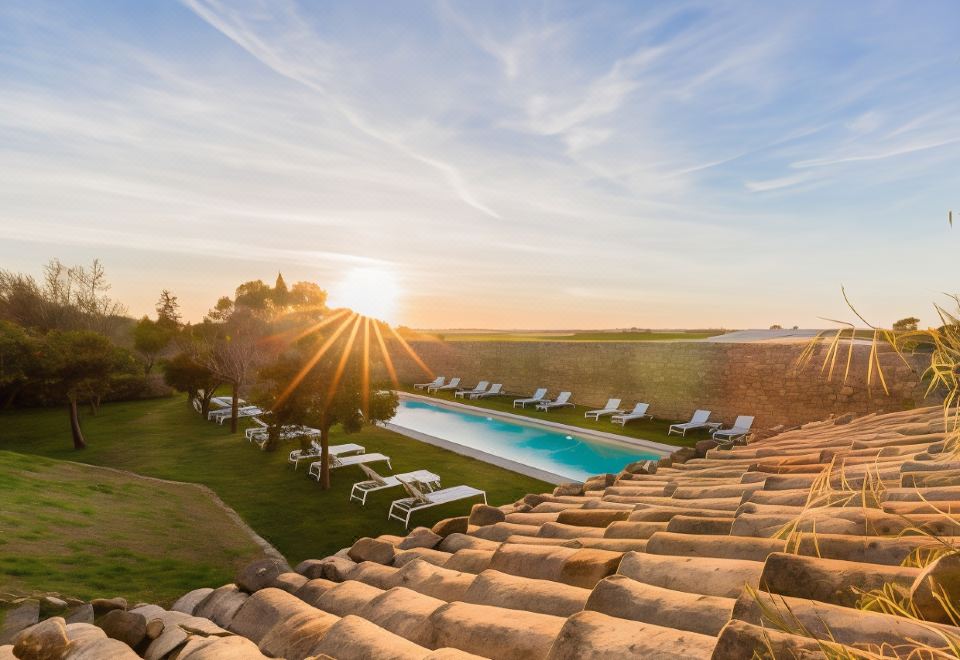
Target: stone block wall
[677,377]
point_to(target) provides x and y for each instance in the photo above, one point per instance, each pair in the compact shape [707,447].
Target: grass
[643,429]
[88,532]
[164,438]
[578,336]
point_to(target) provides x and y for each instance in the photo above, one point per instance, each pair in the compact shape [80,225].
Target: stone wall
[677,377]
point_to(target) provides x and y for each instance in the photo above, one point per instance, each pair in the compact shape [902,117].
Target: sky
[492,164]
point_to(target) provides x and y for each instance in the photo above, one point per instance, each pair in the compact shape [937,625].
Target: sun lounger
[286,433]
[698,421]
[559,402]
[249,411]
[535,399]
[479,389]
[454,384]
[612,407]
[436,382]
[403,509]
[495,390]
[739,430]
[298,455]
[356,459]
[375,482]
[639,412]
[224,413]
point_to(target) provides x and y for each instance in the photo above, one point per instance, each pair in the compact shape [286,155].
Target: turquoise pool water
[537,446]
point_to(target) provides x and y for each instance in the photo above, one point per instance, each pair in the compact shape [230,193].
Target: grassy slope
[163,438]
[645,429]
[89,532]
[578,336]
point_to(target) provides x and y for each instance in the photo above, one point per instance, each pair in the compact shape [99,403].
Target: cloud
[294,50]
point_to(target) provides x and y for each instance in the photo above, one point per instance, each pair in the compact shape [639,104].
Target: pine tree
[280,292]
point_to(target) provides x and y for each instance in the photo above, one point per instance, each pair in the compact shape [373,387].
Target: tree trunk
[205,400]
[8,403]
[78,441]
[234,407]
[273,438]
[324,455]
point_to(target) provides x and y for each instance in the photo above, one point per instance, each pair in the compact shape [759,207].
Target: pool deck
[514,466]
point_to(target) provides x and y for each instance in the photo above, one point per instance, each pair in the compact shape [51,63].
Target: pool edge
[486,457]
[656,447]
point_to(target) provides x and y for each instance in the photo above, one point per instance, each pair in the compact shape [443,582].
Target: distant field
[577,336]
[88,532]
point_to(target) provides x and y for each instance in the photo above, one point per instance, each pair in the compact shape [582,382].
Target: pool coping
[650,445]
[470,452]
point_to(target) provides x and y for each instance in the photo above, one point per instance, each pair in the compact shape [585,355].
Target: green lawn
[164,438]
[578,336]
[88,532]
[645,429]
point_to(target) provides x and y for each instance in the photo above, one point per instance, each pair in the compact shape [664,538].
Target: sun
[372,292]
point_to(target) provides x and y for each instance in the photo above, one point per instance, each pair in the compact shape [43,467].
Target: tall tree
[75,362]
[235,353]
[151,338]
[280,293]
[255,294]
[168,310]
[17,361]
[324,382]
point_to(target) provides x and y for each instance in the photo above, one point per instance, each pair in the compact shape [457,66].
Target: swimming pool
[568,455]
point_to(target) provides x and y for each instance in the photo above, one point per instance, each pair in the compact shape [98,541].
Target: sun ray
[365,374]
[388,363]
[344,357]
[312,362]
[411,352]
[285,335]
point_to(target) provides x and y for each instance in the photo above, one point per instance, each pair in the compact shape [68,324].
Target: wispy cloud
[500,159]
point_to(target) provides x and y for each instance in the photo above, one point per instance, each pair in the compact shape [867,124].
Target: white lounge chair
[612,407]
[639,412]
[480,388]
[495,390]
[375,482]
[356,459]
[298,455]
[436,382]
[403,509]
[454,384]
[739,430]
[535,399]
[559,402]
[286,433]
[698,421]
[221,414]
[249,411]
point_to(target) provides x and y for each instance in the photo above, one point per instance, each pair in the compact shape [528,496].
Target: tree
[255,294]
[235,352]
[908,324]
[184,373]
[280,293]
[66,298]
[322,383]
[168,310]
[222,310]
[307,296]
[151,338]
[17,361]
[76,362]
[776,326]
